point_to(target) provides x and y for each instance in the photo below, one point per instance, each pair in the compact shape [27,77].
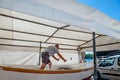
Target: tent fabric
[27,27]
[69,39]
[26,23]
[18,58]
[31,58]
[71,12]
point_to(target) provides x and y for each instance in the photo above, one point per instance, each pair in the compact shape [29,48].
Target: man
[50,51]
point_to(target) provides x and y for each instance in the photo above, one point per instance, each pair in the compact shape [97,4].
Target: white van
[109,68]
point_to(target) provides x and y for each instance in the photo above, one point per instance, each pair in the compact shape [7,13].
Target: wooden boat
[82,71]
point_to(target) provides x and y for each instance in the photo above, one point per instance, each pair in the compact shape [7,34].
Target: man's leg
[50,64]
[45,59]
[43,66]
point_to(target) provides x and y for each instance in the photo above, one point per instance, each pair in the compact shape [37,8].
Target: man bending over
[50,51]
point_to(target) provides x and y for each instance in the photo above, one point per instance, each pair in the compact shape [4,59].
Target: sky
[88,52]
[108,7]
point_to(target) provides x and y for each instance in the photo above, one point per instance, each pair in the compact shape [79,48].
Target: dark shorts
[45,57]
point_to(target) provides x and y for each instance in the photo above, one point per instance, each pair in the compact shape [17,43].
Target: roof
[114,56]
[26,26]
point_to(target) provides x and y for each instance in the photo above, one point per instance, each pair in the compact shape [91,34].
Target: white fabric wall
[19,58]
[32,58]
[72,58]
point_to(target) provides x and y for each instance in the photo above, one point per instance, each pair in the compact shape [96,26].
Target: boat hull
[10,73]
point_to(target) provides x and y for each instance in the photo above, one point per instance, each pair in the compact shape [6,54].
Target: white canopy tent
[66,11]
[26,23]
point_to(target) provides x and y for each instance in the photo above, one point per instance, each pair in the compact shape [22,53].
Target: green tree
[88,56]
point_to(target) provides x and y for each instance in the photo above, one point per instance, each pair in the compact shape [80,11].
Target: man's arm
[61,57]
[55,58]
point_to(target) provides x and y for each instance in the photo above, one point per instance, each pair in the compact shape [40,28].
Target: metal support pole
[78,56]
[40,52]
[94,50]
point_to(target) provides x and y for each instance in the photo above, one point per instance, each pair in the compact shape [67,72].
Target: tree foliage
[88,56]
